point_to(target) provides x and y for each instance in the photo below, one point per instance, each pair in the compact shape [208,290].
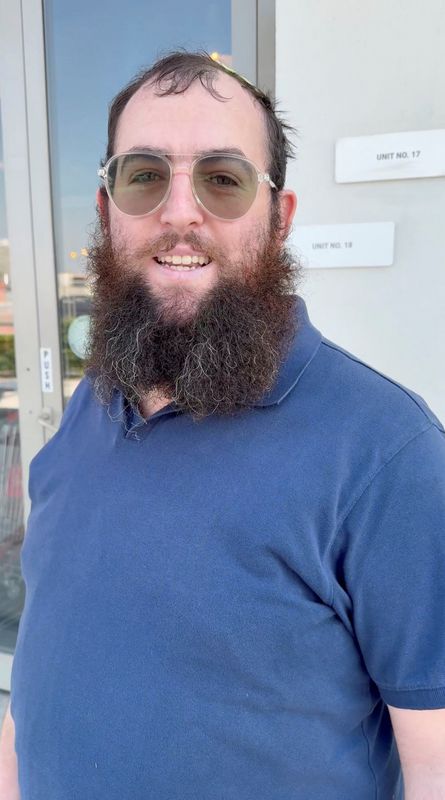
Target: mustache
[168,241]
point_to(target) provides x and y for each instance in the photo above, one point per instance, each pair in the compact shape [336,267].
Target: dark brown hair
[175,73]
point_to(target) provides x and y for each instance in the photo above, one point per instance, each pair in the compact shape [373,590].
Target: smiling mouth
[181,263]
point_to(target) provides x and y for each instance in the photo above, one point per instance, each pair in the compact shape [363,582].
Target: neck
[153,402]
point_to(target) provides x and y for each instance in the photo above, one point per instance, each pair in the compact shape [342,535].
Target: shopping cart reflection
[11,533]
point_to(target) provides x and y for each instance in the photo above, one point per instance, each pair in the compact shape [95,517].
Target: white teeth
[183,260]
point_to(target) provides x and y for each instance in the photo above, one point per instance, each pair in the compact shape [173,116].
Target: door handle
[45,419]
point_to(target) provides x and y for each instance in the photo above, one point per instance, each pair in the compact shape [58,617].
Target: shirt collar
[304,346]
[302,350]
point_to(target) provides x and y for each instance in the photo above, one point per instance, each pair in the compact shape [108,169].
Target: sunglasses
[226,185]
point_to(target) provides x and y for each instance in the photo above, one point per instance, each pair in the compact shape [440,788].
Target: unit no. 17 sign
[366,244]
[390,156]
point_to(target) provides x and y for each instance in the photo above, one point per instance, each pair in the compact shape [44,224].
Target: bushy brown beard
[223,357]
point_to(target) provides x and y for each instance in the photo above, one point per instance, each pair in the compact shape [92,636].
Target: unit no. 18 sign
[390,156]
[366,244]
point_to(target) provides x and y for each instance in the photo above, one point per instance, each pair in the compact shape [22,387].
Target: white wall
[349,68]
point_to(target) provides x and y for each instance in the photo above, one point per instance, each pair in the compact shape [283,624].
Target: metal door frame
[253,41]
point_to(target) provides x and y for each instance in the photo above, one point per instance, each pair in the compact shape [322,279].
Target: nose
[181,209]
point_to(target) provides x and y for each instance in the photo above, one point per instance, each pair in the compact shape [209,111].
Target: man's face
[190,123]
[211,339]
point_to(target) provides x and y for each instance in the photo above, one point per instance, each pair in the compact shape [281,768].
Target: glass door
[30,376]
[60,64]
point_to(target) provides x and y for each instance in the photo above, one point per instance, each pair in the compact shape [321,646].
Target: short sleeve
[394,571]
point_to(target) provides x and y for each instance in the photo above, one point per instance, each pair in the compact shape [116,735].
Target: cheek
[115,222]
[231,238]
[121,227]
[250,237]
[128,232]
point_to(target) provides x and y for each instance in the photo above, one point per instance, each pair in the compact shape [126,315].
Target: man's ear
[288,206]
[102,207]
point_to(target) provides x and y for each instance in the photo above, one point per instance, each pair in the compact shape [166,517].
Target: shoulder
[357,420]
[78,404]
[360,391]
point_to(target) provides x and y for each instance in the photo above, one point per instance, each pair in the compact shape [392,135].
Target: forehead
[194,121]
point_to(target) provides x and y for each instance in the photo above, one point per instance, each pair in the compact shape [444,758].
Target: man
[235,556]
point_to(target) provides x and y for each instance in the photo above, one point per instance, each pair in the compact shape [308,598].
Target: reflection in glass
[11,490]
[79,91]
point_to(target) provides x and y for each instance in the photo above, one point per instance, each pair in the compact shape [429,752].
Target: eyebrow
[234,151]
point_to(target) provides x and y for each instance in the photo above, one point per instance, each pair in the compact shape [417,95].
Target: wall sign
[390,156]
[46,369]
[366,244]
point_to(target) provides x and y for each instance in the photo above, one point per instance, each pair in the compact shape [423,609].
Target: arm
[9,784]
[420,737]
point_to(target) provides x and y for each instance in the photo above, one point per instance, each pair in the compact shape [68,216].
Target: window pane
[91,53]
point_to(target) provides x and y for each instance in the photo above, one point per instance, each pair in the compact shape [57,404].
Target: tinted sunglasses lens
[138,182]
[225,185]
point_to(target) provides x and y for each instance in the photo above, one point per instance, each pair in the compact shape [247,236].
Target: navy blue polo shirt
[221,610]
